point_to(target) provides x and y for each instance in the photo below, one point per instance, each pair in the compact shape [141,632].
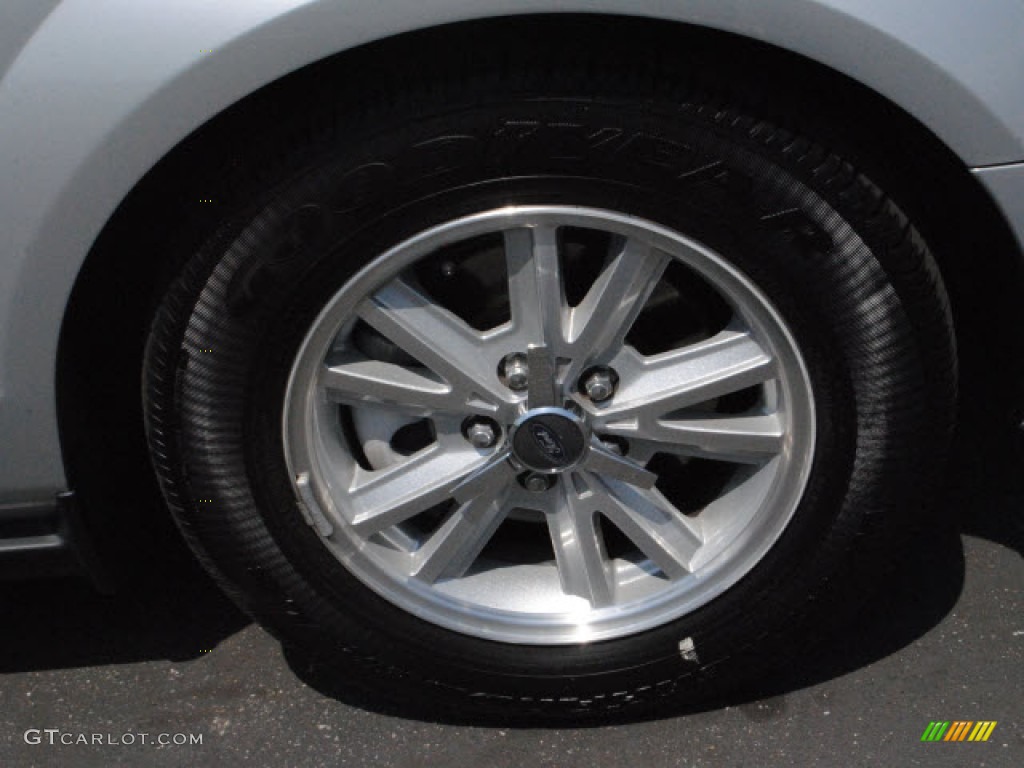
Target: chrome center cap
[549,440]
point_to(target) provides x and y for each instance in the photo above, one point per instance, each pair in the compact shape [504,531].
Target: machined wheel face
[539,457]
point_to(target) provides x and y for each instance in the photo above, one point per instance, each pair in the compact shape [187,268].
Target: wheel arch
[117,288]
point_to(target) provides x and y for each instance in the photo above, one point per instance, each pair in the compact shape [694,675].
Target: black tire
[845,268]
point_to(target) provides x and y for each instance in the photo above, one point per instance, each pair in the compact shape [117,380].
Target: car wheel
[557,395]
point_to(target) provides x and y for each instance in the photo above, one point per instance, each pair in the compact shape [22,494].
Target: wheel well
[162,221]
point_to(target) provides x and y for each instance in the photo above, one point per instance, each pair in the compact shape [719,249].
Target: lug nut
[481,433]
[516,372]
[537,483]
[599,384]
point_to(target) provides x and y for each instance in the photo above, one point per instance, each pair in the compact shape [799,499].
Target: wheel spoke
[579,550]
[609,464]
[656,386]
[536,293]
[542,391]
[359,381]
[647,519]
[438,339]
[601,321]
[453,548]
[496,474]
[738,439]
[381,499]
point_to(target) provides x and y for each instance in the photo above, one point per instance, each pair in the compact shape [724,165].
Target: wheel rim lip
[300,431]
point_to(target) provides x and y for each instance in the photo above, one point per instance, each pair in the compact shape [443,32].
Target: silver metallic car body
[94,92]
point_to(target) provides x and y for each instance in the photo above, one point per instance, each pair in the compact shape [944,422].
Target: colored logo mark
[959,730]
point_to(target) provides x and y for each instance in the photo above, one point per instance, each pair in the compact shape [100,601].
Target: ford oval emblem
[547,441]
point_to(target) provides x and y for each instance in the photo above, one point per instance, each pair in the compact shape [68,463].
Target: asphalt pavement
[82,675]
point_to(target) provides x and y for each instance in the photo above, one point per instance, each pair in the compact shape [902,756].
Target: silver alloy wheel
[620,554]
